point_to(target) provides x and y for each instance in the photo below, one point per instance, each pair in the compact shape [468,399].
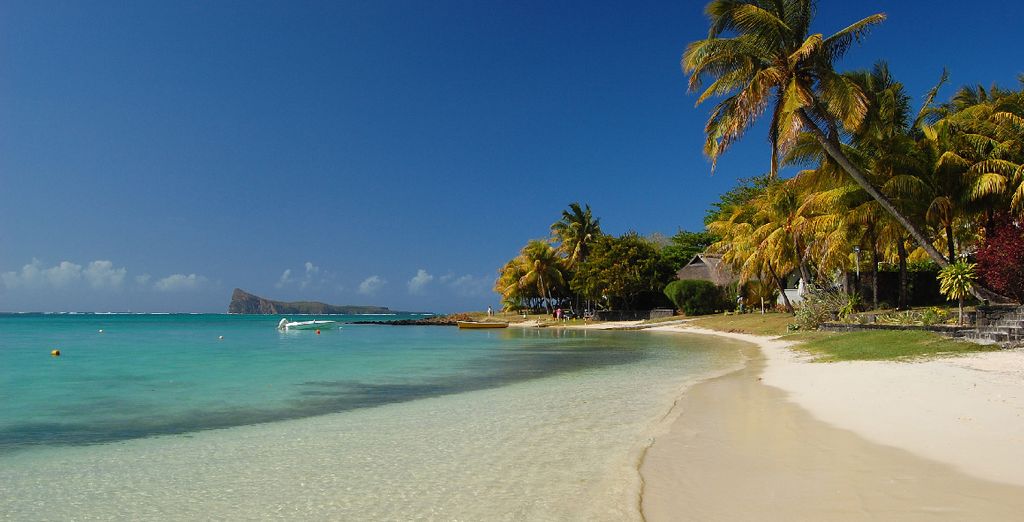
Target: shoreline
[916,456]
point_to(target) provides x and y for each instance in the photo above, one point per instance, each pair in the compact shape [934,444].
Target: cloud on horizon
[372,284]
[418,283]
[99,274]
[312,277]
[179,283]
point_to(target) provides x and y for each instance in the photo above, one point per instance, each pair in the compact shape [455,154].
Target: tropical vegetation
[878,183]
[579,267]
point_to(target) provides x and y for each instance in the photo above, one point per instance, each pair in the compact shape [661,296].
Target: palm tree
[542,269]
[763,238]
[773,61]
[575,231]
[955,282]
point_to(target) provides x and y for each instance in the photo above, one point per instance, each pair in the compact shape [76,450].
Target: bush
[820,306]
[1000,259]
[695,297]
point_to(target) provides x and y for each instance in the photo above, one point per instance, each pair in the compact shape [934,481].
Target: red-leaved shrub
[1001,260]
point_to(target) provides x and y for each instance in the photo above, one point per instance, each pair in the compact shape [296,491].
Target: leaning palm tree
[760,54]
[575,231]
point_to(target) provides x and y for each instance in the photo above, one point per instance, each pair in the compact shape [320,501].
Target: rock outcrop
[243,302]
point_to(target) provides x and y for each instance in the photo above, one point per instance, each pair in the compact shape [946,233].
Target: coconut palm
[542,269]
[955,282]
[773,61]
[763,237]
[575,231]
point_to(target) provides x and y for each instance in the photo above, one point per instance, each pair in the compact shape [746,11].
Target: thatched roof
[708,267]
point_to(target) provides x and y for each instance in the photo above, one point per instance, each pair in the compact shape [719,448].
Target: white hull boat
[286,325]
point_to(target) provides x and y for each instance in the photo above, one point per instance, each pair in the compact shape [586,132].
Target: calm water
[160,406]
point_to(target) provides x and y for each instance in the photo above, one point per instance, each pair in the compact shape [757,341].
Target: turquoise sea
[215,416]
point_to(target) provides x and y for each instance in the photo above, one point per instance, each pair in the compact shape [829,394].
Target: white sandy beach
[790,439]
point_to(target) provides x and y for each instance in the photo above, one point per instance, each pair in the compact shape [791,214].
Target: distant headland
[243,302]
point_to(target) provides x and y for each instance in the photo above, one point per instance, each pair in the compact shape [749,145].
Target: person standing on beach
[490,311]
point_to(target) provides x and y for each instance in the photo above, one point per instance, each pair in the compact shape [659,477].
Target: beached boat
[481,324]
[285,324]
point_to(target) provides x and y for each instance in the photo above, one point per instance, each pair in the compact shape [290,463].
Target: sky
[156,155]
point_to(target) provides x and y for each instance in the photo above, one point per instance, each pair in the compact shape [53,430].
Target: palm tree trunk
[801,262]
[901,251]
[874,274]
[836,153]
[782,289]
[949,243]
[544,293]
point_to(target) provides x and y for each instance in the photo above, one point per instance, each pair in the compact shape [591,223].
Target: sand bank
[787,439]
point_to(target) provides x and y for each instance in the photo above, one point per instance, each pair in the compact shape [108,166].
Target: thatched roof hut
[708,267]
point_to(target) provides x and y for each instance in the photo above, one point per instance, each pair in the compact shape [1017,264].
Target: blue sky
[153,156]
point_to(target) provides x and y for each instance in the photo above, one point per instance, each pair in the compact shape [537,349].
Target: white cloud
[99,274]
[371,284]
[179,282]
[419,281]
[311,272]
[286,278]
[142,280]
[310,276]
[102,274]
[471,286]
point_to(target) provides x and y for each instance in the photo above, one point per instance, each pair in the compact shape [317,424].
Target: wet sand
[741,450]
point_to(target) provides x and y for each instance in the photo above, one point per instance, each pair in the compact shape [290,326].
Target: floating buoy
[221,337]
[101,330]
[318,331]
[55,353]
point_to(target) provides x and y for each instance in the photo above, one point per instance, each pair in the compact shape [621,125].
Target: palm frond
[835,46]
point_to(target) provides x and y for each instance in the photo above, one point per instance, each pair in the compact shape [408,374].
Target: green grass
[757,324]
[876,345]
[882,345]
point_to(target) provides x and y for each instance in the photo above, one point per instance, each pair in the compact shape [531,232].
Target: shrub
[695,297]
[1000,259]
[820,306]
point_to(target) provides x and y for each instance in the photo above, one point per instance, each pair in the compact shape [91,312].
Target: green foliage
[934,315]
[957,279]
[619,269]
[821,306]
[696,297]
[684,245]
[574,232]
[745,190]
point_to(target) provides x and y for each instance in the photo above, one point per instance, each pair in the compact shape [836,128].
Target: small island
[243,302]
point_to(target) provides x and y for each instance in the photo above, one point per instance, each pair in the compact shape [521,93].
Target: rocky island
[243,302]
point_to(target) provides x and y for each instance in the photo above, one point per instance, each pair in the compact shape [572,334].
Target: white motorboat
[286,325]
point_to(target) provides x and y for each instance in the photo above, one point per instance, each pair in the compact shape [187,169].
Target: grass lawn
[875,345]
[882,345]
[757,324]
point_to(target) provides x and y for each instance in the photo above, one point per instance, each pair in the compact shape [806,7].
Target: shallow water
[157,418]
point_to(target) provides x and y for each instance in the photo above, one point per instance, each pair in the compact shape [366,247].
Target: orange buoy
[55,353]
[318,331]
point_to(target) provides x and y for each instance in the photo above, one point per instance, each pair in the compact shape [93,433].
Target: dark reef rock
[436,320]
[243,302]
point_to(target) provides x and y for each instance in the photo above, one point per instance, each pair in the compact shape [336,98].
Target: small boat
[481,324]
[286,325]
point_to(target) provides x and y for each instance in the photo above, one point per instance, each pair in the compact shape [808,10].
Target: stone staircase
[999,323]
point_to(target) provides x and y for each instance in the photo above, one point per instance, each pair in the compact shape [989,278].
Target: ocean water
[158,417]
